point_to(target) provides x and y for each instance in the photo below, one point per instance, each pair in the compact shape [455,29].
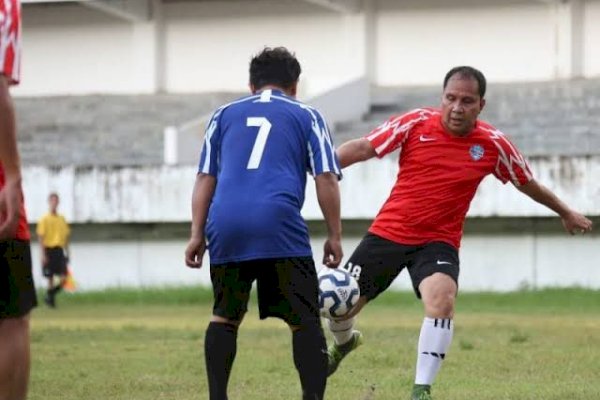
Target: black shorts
[17,292]
[57,262]
[376,262]
[287,289]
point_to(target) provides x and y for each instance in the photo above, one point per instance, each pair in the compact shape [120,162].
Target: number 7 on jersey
[264,127]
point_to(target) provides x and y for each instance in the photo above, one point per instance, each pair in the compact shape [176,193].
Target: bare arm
[43,258]
[10,194]
[8,137]
[354,151]
[67,250]
[328,194]
[204,189]
[573,221]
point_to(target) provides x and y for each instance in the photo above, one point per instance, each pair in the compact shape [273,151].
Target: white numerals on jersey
[354,270]
[264,127]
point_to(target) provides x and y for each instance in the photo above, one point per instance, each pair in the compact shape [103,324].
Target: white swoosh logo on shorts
[426,139]
[443,262]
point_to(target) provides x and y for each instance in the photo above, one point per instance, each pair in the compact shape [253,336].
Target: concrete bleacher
[542,118]
[104,130]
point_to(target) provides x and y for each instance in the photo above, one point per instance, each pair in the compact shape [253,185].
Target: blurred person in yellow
[53,234]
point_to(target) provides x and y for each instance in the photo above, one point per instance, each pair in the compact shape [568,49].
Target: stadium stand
[104,130]
[543,118]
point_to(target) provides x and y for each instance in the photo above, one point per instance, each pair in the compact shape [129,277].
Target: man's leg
[14,358]
[220,347]
[375,264]
[438,293]
[58,287]
[345,337]
[49,298]
[310,359]
[288,288]
[231,289]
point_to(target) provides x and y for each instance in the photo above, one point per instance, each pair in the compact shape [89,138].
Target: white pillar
[370,41]
[569,38]
[170,145]
[160,54]
[148,69]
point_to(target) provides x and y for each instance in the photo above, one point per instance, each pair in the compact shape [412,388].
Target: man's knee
[438,292]
[15,324]
[224,320]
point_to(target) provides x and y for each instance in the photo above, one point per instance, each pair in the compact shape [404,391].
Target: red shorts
[10,40]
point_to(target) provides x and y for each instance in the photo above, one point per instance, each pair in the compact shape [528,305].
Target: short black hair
[53,194]
[274,66]
[468,72]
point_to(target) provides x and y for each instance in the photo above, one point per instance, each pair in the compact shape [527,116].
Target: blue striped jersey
[260,149]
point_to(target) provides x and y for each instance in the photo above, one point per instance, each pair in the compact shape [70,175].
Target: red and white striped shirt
[10,40]
[439,175]
[10,66]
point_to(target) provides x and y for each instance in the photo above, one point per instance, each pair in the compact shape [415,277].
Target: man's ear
[293,90]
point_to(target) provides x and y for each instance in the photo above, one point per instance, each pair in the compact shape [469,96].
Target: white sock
[434,341]
[341,330]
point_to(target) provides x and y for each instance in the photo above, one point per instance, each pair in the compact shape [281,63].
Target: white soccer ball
[338,292]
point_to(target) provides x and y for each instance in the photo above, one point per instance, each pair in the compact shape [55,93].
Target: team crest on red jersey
[476,151]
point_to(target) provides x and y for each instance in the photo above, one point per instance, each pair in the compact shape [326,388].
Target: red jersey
[10,66]
[10,38]
[439,174]
[22,228]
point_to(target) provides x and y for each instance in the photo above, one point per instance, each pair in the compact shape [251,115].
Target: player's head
[275,67]
[462,99]
[53,201]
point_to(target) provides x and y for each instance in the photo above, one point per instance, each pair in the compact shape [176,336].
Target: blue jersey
[260,148]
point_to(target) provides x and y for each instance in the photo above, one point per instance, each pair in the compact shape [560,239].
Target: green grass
[124,344]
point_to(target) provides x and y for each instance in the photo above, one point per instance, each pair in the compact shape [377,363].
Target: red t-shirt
[22,229]
[10,40]
[10,66]
[439,174]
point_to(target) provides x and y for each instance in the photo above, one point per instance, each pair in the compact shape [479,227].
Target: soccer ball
[338,292]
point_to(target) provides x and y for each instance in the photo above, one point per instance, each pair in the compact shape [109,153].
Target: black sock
[55,290]
[220,345]
[310,358]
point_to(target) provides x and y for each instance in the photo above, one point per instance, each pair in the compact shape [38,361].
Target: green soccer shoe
[421,392]
[336,353]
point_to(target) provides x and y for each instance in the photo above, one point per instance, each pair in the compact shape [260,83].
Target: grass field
[148,345]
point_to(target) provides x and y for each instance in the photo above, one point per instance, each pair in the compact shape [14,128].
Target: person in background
[17,291]
[53,234]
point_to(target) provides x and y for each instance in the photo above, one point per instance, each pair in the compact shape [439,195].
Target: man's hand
[575,222]
[332,253]
[194,252]
[10,205]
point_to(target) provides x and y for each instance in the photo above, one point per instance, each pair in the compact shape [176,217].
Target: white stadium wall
[417,44]
[162,193]
[490,261]
[205,46]
[71,49]
[209,44]
[494,262]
